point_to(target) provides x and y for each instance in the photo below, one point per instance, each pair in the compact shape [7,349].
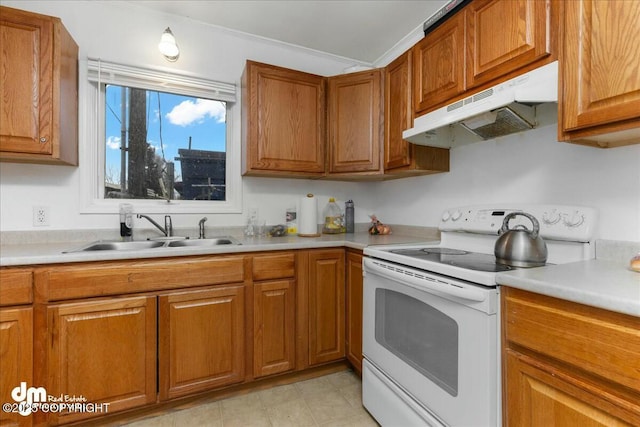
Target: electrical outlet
[40,216]
[253,214]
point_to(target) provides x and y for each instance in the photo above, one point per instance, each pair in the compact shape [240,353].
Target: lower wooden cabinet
[326,306]
[546,396]
[273,327]
[201,340]
[129,334]
[104,351]
[354,283]
[567,364]
[16,358]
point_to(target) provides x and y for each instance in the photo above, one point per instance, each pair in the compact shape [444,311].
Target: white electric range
[431,337]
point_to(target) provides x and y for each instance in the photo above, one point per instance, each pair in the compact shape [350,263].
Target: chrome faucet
[201,227]
[167,230]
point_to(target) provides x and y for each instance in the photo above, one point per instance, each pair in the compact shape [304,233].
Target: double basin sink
[107,245]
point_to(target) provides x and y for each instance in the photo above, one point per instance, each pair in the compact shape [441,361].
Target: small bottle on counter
[126,221]
[292,221]
[349,212]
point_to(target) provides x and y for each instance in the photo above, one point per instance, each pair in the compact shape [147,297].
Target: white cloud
[188,112]
[113,142]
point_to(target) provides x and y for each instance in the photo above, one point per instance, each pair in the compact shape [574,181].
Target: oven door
[436,339]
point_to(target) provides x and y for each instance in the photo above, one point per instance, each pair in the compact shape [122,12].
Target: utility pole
[137,143]
[123,140]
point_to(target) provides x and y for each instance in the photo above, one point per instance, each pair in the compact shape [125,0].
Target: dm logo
[27,397]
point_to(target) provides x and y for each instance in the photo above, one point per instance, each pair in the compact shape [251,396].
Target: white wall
[529,167]
[126,33]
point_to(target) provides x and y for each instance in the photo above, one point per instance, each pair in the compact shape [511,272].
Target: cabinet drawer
[85,280]
[16,287]
[276,266]
[596,341]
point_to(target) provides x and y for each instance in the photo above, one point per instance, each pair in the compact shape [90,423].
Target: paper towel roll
[308,219]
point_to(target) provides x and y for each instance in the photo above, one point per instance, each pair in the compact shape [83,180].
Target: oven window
[420,335]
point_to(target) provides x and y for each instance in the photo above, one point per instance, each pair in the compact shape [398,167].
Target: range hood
[506,108]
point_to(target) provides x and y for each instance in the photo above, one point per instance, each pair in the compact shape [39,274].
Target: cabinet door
[16,359]
[201,336]
[354,309]
[283,121]
[273,327]
[439,65]
[326,306]
[541,396]
[401,157]
[355,132]
[599,66]
[104,351]
[38,89]
[398,112]
[503,36]
[26,84]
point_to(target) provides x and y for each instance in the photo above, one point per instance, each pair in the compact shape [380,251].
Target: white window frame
[93,74]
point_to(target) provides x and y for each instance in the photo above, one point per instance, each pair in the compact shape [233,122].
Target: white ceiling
[360,30]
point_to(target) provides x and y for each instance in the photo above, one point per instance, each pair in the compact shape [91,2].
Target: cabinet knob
[43,140]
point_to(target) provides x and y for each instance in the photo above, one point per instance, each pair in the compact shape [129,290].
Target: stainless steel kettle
[518,246]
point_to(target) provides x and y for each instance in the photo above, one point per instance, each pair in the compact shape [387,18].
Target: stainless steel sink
[107,245]
[226,240]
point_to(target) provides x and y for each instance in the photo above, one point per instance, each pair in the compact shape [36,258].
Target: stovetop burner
[444,251]
[456,257]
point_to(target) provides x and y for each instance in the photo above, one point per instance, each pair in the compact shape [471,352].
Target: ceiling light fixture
[168,46]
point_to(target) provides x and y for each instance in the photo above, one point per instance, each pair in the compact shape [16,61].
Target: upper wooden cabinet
[284,125]
[283,122]
[438,70]
[401,157]
[486,42]
[599,80]
[355,122]
[503,36]
[38,89]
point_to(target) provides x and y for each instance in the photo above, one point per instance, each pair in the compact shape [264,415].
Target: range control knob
[551,218]
[574,220]
[456,215]
[446,216]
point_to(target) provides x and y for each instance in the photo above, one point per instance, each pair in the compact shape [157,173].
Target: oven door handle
[423,281]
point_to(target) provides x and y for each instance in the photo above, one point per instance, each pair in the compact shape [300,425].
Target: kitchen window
[160,140]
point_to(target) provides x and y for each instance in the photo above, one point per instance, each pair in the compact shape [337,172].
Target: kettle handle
[534,221]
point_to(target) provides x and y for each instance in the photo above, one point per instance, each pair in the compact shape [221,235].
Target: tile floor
[331,400]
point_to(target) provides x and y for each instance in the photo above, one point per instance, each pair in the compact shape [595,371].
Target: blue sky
[182,117]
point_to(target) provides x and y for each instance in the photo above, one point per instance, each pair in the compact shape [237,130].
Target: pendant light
[168,46]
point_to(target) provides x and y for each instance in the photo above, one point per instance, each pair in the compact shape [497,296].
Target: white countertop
[610,285]
[52,253]
[606,284]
